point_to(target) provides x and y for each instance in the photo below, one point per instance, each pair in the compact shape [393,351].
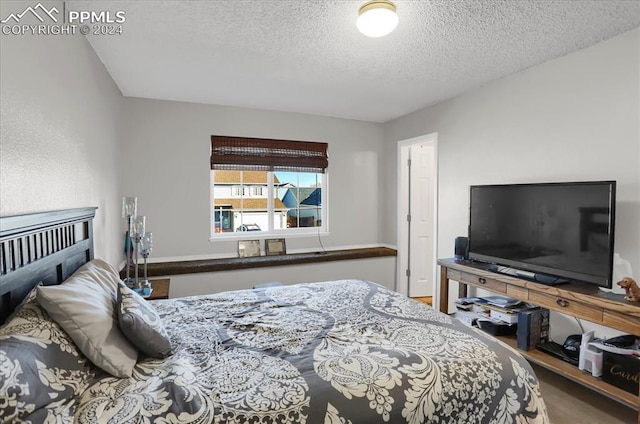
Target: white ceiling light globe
[377,18]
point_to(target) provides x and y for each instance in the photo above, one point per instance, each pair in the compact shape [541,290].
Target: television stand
[575,299]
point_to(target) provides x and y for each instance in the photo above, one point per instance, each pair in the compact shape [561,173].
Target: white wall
[59,139]
[573,118]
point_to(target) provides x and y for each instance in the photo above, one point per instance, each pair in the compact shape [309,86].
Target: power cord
[320,241]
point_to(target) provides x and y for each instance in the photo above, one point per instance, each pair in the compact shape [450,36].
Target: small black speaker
[461,250]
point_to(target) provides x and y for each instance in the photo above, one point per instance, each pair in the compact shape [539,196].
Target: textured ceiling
[308,57]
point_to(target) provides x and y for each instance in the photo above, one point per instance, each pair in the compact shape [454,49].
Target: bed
[331,352]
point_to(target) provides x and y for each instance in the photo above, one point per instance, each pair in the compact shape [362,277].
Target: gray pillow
[41,370]
[84,306]
[141,324]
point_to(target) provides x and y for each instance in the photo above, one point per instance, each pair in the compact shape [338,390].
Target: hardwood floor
[427,299]
[569,402]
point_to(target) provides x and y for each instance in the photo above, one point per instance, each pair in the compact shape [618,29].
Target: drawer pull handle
[563,303]
[481,280]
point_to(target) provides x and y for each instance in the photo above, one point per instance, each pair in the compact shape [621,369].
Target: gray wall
[166,164]
[570,119]
[166,161]
[379,270]
[69,139]
[59,132]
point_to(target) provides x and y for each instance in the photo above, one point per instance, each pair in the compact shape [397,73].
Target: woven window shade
[262,154]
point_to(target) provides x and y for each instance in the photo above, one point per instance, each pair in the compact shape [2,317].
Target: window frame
[271,232]
[271,156]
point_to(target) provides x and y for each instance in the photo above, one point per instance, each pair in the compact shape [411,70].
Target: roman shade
[263,154]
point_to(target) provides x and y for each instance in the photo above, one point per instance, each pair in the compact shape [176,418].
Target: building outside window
[270,200]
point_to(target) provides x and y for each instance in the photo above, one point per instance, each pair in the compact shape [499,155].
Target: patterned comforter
[334,352]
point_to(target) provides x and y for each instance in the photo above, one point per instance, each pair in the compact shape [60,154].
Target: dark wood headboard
[42,247]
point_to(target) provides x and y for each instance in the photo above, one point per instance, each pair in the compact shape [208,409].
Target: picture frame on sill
[273,247]
[248,248]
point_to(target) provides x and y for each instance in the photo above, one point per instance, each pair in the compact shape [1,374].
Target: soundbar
[525,274]
[549,280]
[537,277]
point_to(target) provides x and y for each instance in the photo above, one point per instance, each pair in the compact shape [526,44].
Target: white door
[421,225]
[417,216]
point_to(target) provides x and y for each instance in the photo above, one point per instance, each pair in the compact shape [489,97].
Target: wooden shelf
[573,373]
[158,269]
[160,289]
[575,299]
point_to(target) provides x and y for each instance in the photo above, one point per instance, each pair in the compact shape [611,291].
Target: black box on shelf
[533,328]
[497,328]
[622,371]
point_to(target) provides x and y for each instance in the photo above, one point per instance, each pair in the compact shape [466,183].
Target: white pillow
[84,306]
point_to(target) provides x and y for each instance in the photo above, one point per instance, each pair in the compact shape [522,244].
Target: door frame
[402,285]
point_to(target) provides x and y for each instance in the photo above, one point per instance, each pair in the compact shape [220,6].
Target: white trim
[270,203]
[309,232]
[212,221]
[325,203]
[402,211]
[270,231]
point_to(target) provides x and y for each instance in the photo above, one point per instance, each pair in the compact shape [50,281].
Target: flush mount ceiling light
[377,18]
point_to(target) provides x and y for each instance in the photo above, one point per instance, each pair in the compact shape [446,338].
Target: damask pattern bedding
[335,352]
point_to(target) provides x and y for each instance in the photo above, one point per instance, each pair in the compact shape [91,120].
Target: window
[238,191]
[267,187]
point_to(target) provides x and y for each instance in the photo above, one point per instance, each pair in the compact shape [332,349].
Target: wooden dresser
[575,299]
[160,288]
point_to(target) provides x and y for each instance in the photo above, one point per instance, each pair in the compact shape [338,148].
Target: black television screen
[553,229]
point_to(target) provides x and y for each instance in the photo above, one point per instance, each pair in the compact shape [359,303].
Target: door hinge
[408,217]
[409,162]
[408,273]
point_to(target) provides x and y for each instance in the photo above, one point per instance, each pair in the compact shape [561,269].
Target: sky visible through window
[299,179]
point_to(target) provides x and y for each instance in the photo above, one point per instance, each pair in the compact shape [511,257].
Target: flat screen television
[546,232]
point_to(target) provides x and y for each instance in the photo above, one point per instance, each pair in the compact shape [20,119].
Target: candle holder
[129,211]
[137,232]
[146,246]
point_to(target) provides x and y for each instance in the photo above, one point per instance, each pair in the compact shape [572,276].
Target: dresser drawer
[160,289]
[568,306]
[622,322]
[485,283]
[453,274]
[517,292]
